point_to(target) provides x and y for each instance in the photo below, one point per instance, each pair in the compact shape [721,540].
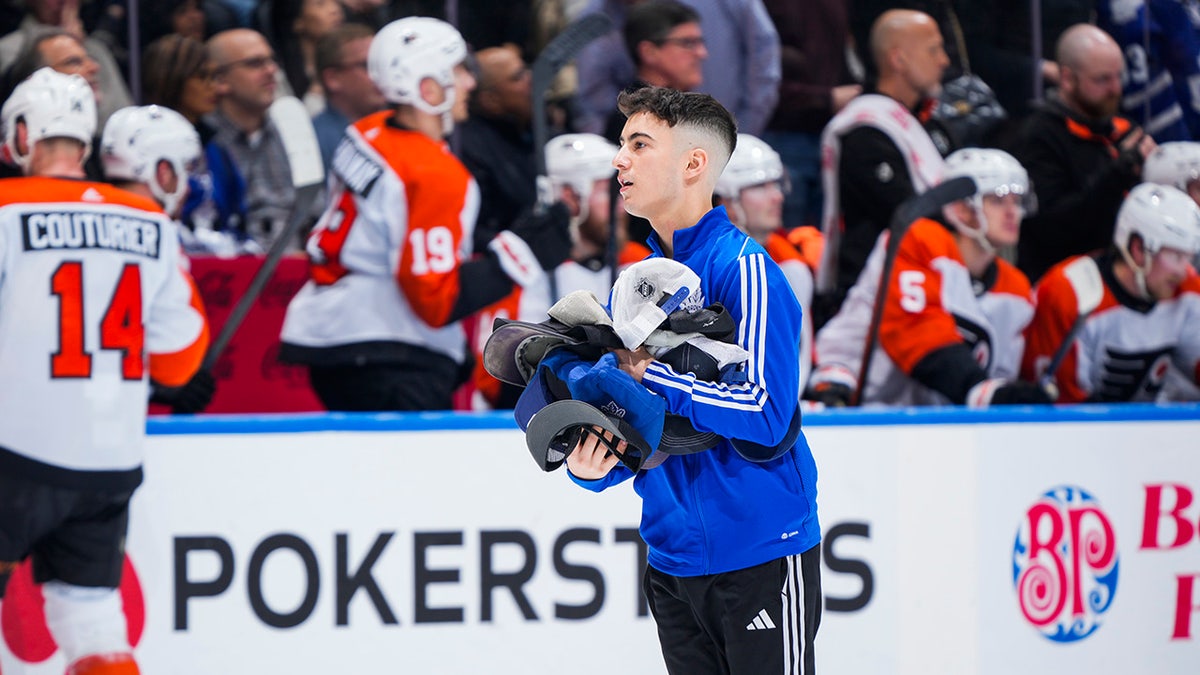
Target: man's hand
[1135,147]
[192,397]
[547,234]
[590,459]
[633,362]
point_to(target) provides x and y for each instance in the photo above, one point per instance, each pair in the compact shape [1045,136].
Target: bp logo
[1065,564]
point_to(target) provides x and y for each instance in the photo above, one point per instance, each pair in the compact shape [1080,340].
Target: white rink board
[926,505]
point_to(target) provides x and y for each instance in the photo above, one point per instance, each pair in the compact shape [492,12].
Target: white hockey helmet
[136,139]
[52,105]
[1164,217]
[753,162]
[996,173]
[578,161]
[1176,164]
[408,50]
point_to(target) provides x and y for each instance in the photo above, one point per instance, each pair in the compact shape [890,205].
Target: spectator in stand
[112,310]
[752,188]
[954,312]
[496,143]
[350,94]
[178,73]
[296,26]
[63,52]
[246,69]
[1161,43]
[815,85]
[1148,316]
[392,276]
[42,15]
[1081,155]
[580,170]
[667,45]
[999,38]
[876,153]
[742,69]
[664,39]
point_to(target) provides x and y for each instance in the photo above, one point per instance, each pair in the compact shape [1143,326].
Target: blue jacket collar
[691,238]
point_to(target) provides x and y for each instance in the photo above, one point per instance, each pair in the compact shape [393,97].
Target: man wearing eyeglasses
[56,17]
[742,69]
[667,46]
[350,94]
[246,71]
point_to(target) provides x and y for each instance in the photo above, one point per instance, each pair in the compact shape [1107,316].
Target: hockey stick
[1084,276]
[308,173]
[928,203]
[553,58]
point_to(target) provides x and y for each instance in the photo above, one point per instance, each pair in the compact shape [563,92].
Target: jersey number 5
[120,327]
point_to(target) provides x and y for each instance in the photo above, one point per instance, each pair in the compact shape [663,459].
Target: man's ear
[22,138]
[1137,250]
[166,177]
[432,92]
[571,199]
[698,163]
[646,51]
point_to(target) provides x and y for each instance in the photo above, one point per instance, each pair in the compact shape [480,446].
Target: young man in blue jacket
[733,540]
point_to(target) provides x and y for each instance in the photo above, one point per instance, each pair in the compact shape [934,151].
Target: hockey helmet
[1164,217]
[52,105]
[1176,164]
[135,140]
[408,50]
[753,162]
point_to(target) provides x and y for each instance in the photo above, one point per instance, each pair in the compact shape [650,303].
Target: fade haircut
[688,109]
[651,21]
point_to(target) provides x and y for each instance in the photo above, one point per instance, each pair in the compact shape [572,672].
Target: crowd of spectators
[860,101]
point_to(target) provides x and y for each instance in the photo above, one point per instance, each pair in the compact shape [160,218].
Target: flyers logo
[1128,376]
[978,339]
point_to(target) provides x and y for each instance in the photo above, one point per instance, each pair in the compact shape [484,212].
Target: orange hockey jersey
[1125,348]
[932,303]
[386,252]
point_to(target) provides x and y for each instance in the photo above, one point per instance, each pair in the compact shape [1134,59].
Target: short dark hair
[688,108]
[31,59]
[167,64]
[329,46]
[652,20]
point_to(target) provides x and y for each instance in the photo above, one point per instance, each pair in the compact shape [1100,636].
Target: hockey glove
[832,385]
[1003,392]
[192,397]
[535,242]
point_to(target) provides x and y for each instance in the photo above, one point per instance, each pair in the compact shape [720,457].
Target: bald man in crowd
[246,68]
[1081,156]
[876,153]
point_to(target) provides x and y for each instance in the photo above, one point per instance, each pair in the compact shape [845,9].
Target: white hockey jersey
[92,291]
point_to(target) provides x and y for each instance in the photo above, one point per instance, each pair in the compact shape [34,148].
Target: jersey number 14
[120,327]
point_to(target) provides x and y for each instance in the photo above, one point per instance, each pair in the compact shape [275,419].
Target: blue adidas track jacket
[716,511]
